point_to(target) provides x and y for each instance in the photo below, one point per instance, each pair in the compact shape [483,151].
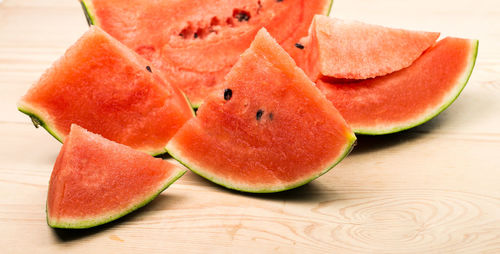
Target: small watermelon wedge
[346,49]
[108,89]
[197,42]
[95,181]
[270,129]
[409,97]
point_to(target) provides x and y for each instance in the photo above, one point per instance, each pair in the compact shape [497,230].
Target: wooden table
[433,189]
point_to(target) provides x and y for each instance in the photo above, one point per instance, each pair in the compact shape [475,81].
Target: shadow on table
[369,143]
[162,202]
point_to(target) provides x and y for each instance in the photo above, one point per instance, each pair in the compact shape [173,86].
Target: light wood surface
[434,189]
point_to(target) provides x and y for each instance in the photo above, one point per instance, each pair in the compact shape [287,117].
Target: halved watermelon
[95,181]
[354,50]
[270,129]
[197,42]
[408,97]
[108,89]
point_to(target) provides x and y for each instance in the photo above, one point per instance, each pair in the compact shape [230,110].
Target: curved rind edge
[87,7]
[191,106]
[36,117]
[108,218]
[462,81]
[171,149]
[40,121]
[329,9]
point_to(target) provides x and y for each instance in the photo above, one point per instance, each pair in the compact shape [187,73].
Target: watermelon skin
[105,87]
[409,97]
[198,64]
[346,49]
[95,181]
[276,131]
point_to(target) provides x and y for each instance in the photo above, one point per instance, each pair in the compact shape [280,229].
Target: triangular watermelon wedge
[95,181]
[270,129]
[345,49]
[108,89]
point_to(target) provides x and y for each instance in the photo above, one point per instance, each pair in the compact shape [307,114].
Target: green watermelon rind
[329,9]
[177,155]
[38,120]
[461,83]
[88,223]
[87,10]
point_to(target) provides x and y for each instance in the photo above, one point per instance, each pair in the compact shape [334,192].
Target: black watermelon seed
[228,93]
[271,116]
[242,17]
[299,46]
[259,114]
[279,1]
[149,69]
[195,35]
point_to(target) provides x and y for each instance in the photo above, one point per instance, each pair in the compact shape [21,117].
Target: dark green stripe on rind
[347,150]
[88,15]
[468,72]
[93,223]
[38,121]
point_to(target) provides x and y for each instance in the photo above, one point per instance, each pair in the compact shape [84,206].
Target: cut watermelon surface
[197,42]
[270,129]
[95,181]
[108,89]
[408,97]
[345,49]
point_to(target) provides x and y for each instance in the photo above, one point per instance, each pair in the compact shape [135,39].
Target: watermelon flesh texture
[344,49]
[270,129]
[197,42]
[95,181]
[108,89]
[408,97]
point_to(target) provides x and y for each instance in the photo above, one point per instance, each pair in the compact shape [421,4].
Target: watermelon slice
[108,89]
[408,97]
[95,181]
[197,42]
[354,50]
[270,129]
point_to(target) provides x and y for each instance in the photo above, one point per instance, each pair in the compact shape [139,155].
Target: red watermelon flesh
[408,97]
[108,89]
[269,129]
[345,49]
[197,42]
[95,181]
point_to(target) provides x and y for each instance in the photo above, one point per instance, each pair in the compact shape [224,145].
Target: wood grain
[433,189]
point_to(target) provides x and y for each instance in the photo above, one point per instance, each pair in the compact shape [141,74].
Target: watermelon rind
[453,95]
[92,222]
[329,9]
[176,153]
[87,10]
[39,121]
